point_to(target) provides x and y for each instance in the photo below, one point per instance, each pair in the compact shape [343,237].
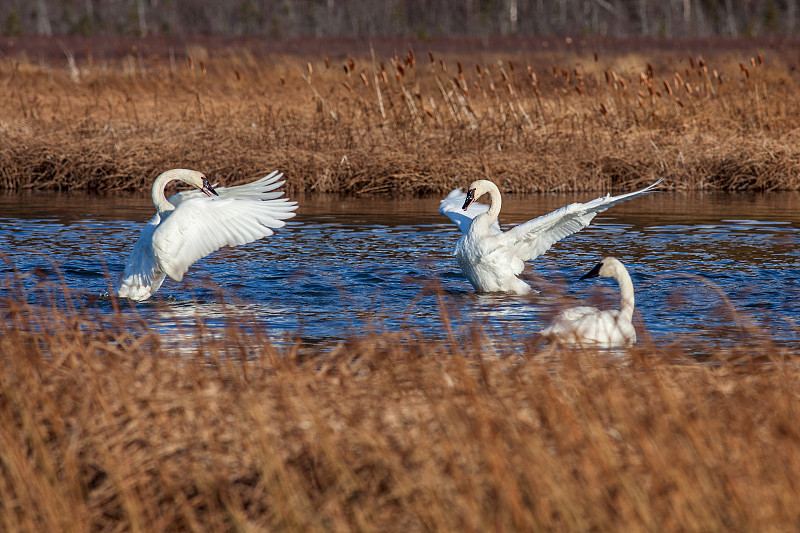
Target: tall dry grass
[104,425]
[412,122]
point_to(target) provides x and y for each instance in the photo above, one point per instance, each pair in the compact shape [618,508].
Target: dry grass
[103,426]
[414,122]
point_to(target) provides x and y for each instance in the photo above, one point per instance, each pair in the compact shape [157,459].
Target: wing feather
[535,237]
[202,225]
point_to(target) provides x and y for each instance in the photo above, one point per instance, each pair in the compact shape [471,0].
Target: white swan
[492,259]
[587,325]
[192,224]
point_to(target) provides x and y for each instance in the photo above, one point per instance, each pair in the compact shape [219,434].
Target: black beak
[593,273]
[208,189]
[469,200]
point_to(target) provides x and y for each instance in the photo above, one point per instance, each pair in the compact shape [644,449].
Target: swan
[491,258]
[194,223]
[586,325]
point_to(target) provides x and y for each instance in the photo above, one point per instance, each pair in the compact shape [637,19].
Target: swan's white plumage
[609,328]
[193,224]
[492,259]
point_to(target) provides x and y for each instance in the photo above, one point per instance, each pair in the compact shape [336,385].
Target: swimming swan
[492,259]
[192,224]
[587,325]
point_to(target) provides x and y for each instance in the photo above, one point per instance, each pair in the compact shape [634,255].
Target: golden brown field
[109,428]
[412,121]
[105,426]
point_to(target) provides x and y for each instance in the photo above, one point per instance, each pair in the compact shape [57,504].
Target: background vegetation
[363,18]
[559,114]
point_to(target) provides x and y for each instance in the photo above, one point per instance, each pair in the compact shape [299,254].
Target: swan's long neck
[159,199]
[494,202]
[626,303]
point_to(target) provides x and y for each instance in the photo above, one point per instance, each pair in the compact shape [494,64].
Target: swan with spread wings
[493,259]
[194,223]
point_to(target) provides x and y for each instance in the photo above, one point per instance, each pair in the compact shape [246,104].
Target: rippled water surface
[719,268]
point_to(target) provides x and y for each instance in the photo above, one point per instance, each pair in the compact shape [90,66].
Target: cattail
[622,83]
[444,67]
[753,62]
[348,86]
[555,71]
[401,70]
[649,70]
[352,64]
[309,68]
[238,75]
[678,100]
[678,79]
[596,57]
[283,81]
[460,70]
[203,66]
[608,77]
[191,63]
[760,61]
[430,55]
[327,63]
[667,87]
[364,79]
[578,88]
[603,109]
[399,78]
[691,62]
[511,65]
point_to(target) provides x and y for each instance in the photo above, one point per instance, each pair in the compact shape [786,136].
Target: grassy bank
[412,122]
[104,427]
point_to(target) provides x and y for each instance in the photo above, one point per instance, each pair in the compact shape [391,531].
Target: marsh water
[708,268]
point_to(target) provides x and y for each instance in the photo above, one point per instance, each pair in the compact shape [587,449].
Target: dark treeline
[415,18]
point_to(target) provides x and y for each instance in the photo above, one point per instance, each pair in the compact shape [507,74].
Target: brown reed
[106,424]
[573,123]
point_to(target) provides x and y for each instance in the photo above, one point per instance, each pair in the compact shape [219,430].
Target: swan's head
[477,189]
[193,178]
[605,268]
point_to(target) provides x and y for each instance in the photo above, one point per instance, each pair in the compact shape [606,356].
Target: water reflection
[347,264]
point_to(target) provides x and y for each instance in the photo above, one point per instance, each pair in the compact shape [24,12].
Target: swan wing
[142,276]
[201,225]
[535,237]
[451,207]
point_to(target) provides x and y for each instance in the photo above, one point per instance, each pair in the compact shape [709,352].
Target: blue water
[717,268]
